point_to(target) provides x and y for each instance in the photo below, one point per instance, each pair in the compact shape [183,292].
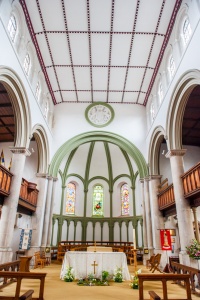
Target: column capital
[20,150]
[55,179]
[175,152]
[42,175]
[154,177]
[142,180]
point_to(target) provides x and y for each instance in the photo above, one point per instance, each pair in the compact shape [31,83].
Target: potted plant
[69,277]
[193,250]
[105,275]
[118,277]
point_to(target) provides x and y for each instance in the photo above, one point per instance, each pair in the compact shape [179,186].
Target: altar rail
[164,278]
[11,266]
[24,275]
[193,272]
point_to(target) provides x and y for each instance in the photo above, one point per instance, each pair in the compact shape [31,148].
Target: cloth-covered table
[83,263]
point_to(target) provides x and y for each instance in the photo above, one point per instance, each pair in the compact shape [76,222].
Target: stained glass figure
[98,200]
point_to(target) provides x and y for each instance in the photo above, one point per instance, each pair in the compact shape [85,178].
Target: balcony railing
[166,198]
[5,181]
[28,195]
[191,182]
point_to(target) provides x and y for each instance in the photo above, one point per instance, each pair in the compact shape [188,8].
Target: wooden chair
[149,261]
[155,263]
[39,262]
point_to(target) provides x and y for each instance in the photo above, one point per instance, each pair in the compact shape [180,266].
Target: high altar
[85,263]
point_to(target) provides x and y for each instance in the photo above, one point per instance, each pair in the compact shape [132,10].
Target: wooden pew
[27,295]
[19,276]
[164,278]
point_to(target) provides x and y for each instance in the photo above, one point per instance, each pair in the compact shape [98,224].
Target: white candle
[134,239]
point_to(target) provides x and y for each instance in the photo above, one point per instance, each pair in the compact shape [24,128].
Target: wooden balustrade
[166,198]
[191,182]
[5,181]
[28,195]
[10,266]
[193,272]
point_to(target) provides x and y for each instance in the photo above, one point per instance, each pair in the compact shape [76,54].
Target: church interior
[100,143]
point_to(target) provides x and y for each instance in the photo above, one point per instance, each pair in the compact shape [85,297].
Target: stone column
[148,215]
[194,209]
[51,212]
[158,222]
[47,212]
[38,216]
[183,208]
[144,215]
[9,209]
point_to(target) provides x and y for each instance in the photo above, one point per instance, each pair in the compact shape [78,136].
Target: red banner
[165,239]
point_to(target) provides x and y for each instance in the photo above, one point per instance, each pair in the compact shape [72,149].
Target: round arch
[20,106]
[177,106]
[154,149]
[43,148]
[83,138]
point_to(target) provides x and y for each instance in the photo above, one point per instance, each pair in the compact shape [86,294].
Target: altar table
[83,263]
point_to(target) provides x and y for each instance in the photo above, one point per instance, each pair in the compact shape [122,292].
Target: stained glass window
[125,199]
[71,198]
[98,200]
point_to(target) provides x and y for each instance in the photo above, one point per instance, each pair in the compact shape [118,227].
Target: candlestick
[134,239]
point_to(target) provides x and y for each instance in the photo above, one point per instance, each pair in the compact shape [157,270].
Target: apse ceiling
[100,50]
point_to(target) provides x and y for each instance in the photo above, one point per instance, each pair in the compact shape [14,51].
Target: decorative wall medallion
[99,114]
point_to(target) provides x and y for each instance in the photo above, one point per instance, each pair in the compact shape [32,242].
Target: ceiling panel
[69,96]
[84,96]
[115,97]
[100,44]
[100,96]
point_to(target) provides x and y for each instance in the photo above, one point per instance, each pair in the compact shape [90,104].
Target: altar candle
[134,239]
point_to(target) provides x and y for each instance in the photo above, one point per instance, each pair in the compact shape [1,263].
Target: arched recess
[177,106]
[154,150]
[43,148]
[20,106]
[83,138]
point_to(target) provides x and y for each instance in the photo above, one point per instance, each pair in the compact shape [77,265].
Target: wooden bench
[164,278]
[10,266]
[18,276]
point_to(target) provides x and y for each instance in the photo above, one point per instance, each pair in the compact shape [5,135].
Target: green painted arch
[87,137]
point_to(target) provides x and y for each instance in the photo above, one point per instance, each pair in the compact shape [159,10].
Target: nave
[60,290]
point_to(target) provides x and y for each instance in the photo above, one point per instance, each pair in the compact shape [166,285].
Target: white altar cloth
[81,262]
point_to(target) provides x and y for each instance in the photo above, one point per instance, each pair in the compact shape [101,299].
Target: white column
[51,212]
[144,215]
[38,216]
[47,212]
[148,214]
[9,209]
[196,223]
[158,221]
[183,209]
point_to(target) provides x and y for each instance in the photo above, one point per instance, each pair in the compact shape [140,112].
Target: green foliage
[118,277]
[69,277]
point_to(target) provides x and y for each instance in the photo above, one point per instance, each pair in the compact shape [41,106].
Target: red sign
[165,239]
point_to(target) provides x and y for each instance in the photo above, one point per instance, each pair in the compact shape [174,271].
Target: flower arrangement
[118,277]
[69,277]
[193,250]
[91,280]
[134,284]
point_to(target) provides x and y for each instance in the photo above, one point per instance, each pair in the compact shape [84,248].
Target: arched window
[12,27]
[171,66]
[27,63]
[98,200]
[186,30]
[71,198]
[124,200]
[37,91]
[160,92]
